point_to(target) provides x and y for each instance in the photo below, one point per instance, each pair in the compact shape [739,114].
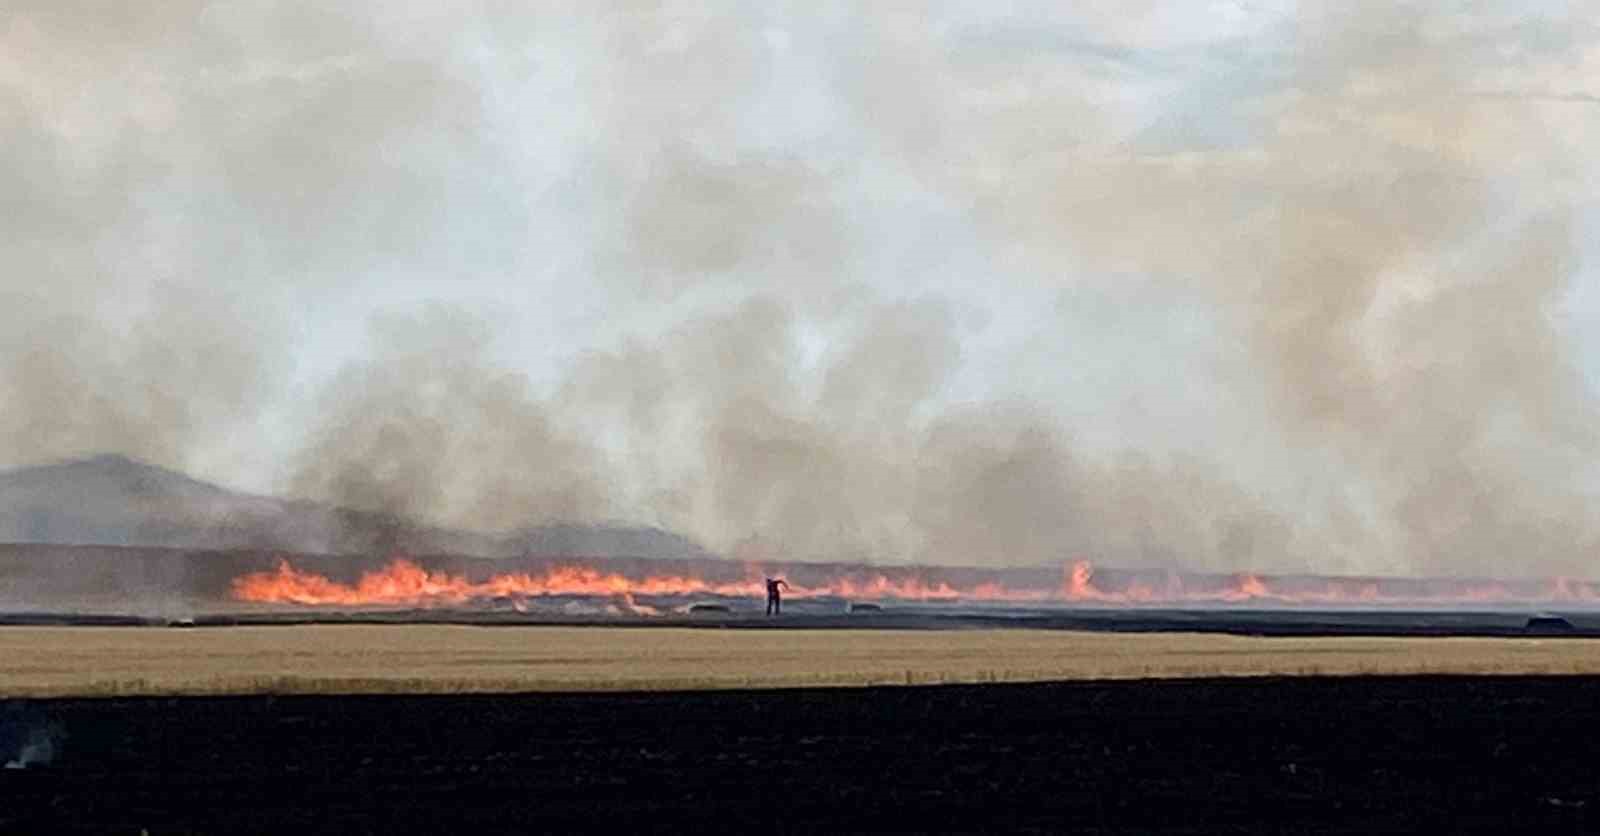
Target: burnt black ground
[815,614]
[1354,755]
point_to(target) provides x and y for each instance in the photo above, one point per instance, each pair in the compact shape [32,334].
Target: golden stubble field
[429,659]
[64,661]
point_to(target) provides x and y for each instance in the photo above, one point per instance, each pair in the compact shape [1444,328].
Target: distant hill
[112,500]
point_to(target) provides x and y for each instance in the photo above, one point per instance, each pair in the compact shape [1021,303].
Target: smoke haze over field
[1272,286]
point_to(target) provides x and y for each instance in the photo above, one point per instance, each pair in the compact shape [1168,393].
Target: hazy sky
[1292,285]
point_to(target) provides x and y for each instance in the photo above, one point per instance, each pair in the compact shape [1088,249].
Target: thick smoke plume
[424,430]
[1271,288]
[1390,250]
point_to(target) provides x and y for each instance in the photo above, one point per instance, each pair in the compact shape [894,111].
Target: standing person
[774,597]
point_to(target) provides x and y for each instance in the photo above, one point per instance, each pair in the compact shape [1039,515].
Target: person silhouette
[774,597]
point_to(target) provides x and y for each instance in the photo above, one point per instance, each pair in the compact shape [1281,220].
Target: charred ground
[104,585]
[1305,755]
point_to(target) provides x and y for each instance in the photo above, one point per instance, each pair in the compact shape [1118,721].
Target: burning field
[1123,709]
[52,584]
[405,582]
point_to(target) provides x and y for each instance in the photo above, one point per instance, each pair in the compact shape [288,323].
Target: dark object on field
[774,597]
[865,608]
[181,622]
[704,609]
[1548,625]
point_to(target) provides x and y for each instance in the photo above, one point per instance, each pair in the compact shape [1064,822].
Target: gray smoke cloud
[424,429]
[1277,287]
[1390,249]
[723,428]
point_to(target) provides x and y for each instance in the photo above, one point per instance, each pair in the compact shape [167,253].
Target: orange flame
[405,583]
[1080,583]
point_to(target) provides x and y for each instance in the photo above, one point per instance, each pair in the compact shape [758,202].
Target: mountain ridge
[110,499]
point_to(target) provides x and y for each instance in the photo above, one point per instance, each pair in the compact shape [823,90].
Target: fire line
[405,582]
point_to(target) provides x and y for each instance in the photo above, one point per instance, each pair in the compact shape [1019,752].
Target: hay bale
[1547,625]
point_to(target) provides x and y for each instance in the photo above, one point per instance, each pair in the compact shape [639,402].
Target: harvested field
[311,659]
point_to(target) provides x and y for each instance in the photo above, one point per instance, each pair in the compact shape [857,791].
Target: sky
[1289,286]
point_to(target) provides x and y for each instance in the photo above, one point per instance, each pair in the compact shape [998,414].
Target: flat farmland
[441,659]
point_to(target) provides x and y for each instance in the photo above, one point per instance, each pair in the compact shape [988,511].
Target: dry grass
[49,661]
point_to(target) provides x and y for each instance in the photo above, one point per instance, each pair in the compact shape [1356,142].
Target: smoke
[424,429]
[154,384]
[1275,287]
[31,739]
[38,748]
[1391,250]
[724,428]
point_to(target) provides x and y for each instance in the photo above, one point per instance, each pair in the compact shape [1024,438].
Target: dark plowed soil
[1263,756]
